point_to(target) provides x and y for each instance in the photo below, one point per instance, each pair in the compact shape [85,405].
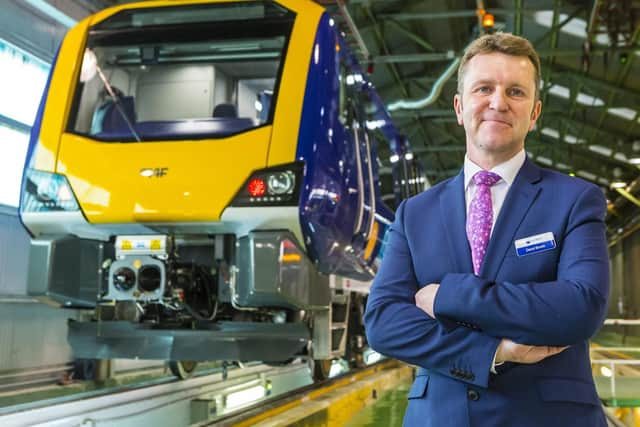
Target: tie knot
[486,178]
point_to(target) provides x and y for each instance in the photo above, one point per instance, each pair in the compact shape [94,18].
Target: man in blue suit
[493,281]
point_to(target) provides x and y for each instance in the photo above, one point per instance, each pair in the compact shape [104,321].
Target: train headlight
[46,192]
[276,186]
[281,182]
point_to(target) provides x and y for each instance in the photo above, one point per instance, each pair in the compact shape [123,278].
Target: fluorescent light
[544,160]
[605,151]
[563,166]
[371,357]
[561,91]
[336,369]
[375,124]
[589,100]
[576,27]
[550,132]
[408,156]
[623,112]
[242,397]
[635,161]
[603,181]
[573,140]
[582,98]
[605,371]
[53,12]
[587,175]
[394,158]
[620,156]
[618,184]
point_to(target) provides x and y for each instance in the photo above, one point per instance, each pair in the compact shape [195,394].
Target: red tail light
[273,186]
[257,187]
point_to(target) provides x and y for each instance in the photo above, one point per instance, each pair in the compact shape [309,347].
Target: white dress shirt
[507,171]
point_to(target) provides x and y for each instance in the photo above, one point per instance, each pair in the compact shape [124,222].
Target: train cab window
[181,72]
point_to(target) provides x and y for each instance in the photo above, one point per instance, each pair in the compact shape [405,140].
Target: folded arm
[561,312]
[396,327]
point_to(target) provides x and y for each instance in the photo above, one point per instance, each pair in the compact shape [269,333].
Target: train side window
[345,106]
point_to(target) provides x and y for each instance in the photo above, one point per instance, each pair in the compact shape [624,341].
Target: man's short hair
[500,42]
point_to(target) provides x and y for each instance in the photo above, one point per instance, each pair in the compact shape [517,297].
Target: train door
[355,124]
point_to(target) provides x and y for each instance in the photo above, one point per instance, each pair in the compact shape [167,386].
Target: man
[493,281]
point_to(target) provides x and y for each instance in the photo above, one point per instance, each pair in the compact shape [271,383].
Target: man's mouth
[502,122]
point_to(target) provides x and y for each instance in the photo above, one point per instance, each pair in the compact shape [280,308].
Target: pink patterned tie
[480,217]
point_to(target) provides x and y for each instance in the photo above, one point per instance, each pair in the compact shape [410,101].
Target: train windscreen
[202,71]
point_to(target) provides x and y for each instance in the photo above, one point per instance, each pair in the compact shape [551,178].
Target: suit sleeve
[561,312]
[396,327]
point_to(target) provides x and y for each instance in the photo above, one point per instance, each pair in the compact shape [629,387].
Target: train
[203,180]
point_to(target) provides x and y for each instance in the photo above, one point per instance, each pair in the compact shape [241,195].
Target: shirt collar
[507,170]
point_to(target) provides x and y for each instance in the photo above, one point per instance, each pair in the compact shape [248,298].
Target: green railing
[615,359]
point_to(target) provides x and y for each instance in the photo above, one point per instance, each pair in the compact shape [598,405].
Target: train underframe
[199,298]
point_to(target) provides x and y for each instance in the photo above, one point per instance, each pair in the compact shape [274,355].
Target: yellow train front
[203,173]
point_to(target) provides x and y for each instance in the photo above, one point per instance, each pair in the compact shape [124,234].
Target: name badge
[534,244]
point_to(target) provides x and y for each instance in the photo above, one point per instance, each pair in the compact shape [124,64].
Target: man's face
[497,106]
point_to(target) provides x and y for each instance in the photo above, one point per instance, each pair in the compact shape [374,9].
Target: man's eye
[483,89]
[516,92]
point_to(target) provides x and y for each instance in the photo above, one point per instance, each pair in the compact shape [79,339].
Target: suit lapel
[454,216]
[521,195]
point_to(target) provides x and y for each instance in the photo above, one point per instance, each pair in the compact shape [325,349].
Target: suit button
[473,395]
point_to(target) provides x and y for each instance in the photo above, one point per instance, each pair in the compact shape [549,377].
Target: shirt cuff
[494,364]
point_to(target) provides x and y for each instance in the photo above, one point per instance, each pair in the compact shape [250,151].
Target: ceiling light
[623,112]
[635,161]
[589,100]
[550,132]
[620,156]
[588,175]
[605,151]
[544,160]
[618,184]
[561,91]
[582,98]
[573,140]
[575,26]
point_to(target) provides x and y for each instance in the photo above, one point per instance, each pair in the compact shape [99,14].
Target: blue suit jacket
[555,297]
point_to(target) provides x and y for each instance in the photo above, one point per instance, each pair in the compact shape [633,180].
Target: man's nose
[499,101]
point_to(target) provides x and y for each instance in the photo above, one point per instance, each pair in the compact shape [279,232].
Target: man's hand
[425,298]
[509,351]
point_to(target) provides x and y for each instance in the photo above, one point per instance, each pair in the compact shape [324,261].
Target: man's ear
[535,114]
[457,106]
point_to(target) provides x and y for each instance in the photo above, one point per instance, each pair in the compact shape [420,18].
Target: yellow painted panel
[290,98]
[58,99]
[199,179]
[371,243]
[294,81]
